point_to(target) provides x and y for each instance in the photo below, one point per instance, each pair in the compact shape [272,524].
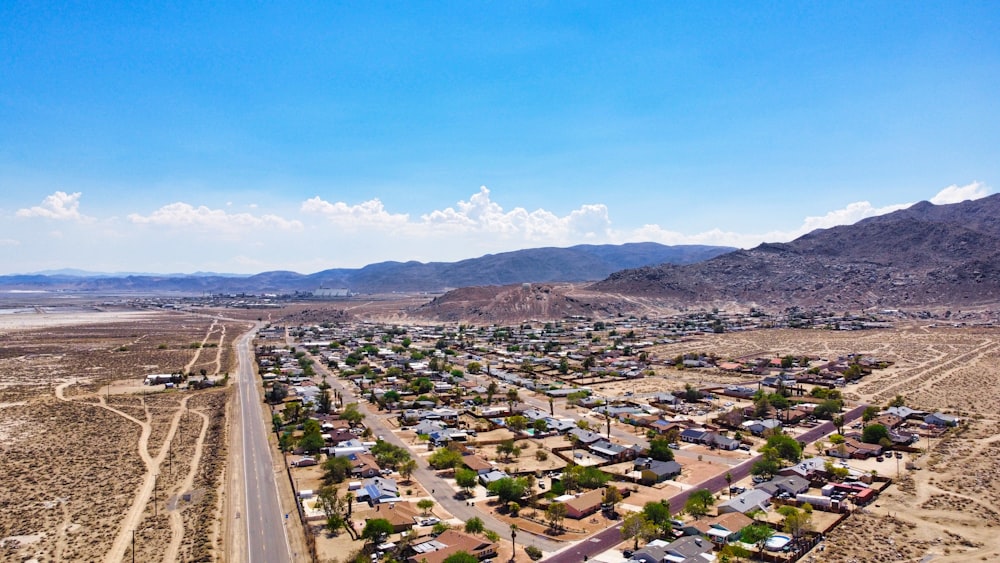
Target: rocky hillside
[922,256]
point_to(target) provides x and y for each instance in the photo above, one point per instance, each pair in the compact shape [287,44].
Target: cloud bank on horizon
[321,234]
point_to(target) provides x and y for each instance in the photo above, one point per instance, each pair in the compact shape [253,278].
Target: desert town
[700,437]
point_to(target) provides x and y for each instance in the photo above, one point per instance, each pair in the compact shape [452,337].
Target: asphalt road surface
[262,516]
[611,537]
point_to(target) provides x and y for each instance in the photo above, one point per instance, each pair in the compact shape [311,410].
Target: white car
[429,521]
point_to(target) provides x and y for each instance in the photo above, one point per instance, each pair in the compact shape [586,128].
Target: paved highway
[261,515]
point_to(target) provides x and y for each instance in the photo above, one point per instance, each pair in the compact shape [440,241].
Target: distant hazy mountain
[577,263]
[923,256]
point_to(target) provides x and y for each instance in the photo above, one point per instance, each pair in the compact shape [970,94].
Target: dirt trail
[197,353]
[218,351]
[176,521]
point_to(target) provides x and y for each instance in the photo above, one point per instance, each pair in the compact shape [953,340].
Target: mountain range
[576,263]
[923,256]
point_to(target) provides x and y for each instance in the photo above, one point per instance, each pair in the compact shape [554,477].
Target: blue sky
[240,138]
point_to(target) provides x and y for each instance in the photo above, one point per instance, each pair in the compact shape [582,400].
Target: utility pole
[133,546]
[155,514]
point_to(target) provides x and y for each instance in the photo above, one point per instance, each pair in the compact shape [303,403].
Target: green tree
[376,530]
[756,534]
[658,514]
[312,437]
[466,479]
[612,496]
[659,449]
[874,433]
[389,455]
[332,507]
[277,393]
[324,402]
[491,390]
[425,505]
[351,414]
[786,446]
[445,458]
[637,526]
[461,557]
[871,413]
[407,468]
[516,423]
[336,470]
[555,514]
[512,398]
[508,449]
[540,426]
[698,503]
[796,521]
[838,421]
[769,464]
[474,525]
[508,489]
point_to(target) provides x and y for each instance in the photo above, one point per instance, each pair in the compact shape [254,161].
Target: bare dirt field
[89,455]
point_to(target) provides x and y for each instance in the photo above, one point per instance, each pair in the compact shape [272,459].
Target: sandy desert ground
[90,455]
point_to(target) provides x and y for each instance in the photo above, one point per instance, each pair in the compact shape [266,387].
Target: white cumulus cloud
[182,214]
[956,194]
[371,213]
[60,206]
[483,215]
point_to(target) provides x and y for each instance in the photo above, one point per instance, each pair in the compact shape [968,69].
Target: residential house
[613,452]
[854,448]
[364,465]
[906,413]
[401,515]
[450,542]
[689,549]
[378,490]
[941,419]
[721,529]
[477,464]
[697,436]
[790,484]
[758,427]
[584,504]
[655,471]
[493,475]
[809,469]
[724,442]
[584,437]
[753,499]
